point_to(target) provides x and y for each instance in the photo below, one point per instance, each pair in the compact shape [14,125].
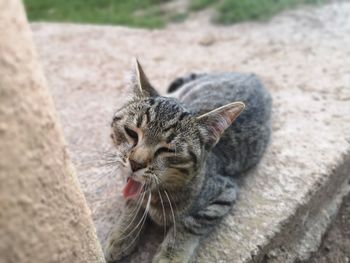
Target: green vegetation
[136,13]
[150,14]
[196,5]
[231,11]
[178,17]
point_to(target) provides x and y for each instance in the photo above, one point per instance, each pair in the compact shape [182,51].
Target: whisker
[144,215]
[102,174]
[96,157]
[137,209]
[171,197]
[173,215]
[156,179]
[174,203]
[163,210]
[143,220]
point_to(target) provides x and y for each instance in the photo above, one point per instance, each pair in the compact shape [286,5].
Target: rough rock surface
[43,213]
[335,246]
[302,56]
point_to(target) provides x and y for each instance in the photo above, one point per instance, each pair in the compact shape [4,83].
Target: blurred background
[157,13]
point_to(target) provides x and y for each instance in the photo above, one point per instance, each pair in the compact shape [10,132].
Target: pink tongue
[131,189]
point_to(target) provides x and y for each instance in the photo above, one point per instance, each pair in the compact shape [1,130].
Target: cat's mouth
[132,189]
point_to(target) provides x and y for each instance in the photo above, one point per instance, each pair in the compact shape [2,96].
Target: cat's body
[243,143]
[195,183]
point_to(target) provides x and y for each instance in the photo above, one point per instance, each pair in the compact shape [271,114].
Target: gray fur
[190,189]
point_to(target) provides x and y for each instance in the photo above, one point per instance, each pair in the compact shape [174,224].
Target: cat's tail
[178,82]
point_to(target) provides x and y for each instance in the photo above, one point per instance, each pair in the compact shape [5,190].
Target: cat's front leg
[124,237]
[178,246]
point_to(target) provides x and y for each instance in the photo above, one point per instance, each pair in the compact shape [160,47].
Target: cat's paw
[159,258]
[117,248]
[163,257]
[112,252]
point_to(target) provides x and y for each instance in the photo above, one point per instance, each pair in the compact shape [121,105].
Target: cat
[182,154]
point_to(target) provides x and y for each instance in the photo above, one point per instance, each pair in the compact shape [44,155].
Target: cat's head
[162,143]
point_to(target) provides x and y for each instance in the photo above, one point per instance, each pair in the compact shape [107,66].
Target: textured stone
[303,58]
[43,214]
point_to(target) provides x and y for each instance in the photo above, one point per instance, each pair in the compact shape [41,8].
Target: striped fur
[191,148]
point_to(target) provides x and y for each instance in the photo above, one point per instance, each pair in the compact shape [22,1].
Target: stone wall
[43,213]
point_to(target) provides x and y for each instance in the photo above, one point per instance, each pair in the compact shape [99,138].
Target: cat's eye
[132,134]
[164,150]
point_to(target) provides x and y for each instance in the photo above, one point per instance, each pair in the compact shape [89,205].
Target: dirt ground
[335,247]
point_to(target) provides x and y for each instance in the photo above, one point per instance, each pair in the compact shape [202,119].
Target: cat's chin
[132,189]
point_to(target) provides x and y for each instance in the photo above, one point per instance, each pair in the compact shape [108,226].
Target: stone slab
[303,58]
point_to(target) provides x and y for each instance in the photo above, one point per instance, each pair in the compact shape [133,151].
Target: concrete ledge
[286,203]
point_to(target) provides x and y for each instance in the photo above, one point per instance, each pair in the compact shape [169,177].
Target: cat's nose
[135,166]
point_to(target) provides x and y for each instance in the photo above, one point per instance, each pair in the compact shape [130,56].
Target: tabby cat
[181,154]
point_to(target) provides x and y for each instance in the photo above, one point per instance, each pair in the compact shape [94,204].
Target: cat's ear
[218,120]
[140,83]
